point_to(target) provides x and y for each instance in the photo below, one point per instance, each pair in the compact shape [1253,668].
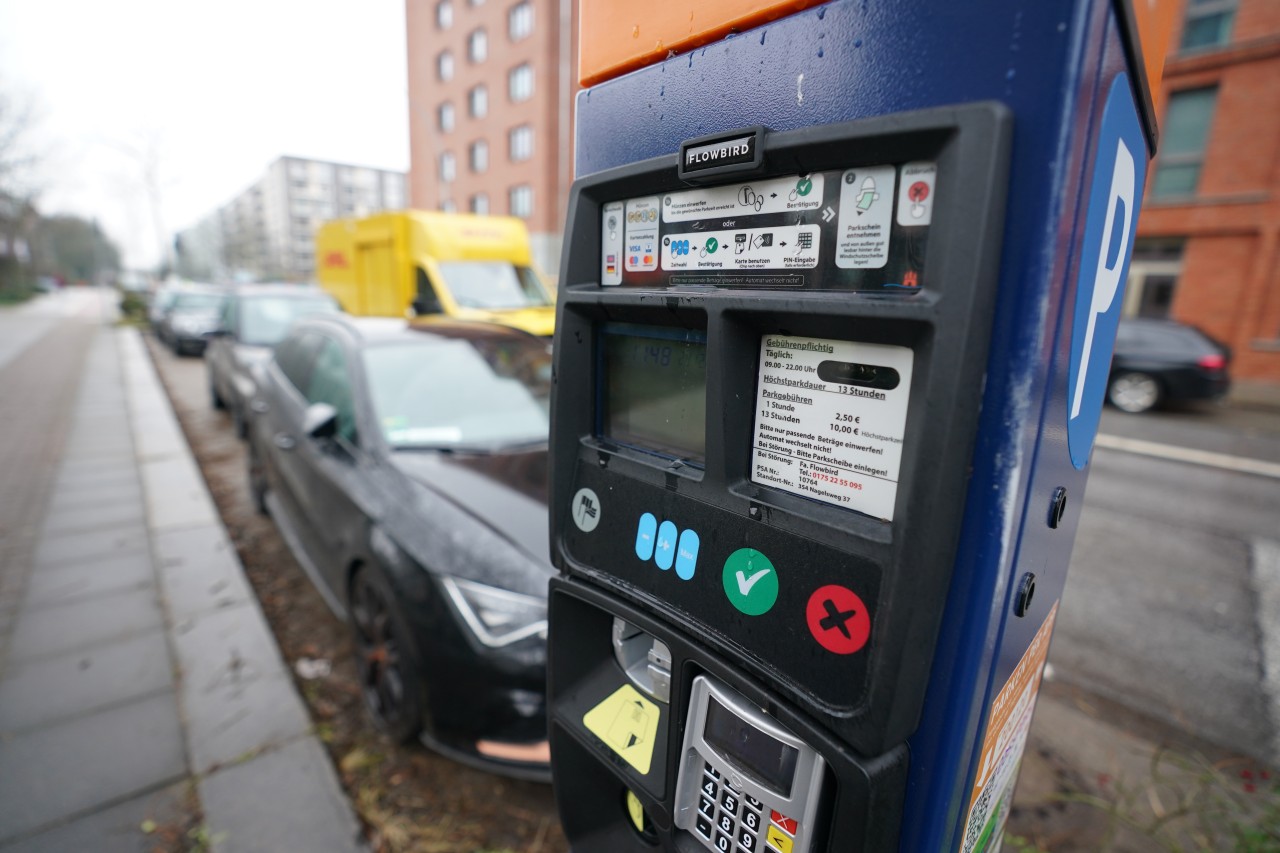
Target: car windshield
[476,394]
[198,302]
[493,285]
[264,320]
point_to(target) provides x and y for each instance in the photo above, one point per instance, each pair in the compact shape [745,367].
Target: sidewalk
[139,678]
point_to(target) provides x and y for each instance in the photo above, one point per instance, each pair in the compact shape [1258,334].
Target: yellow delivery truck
[420,262]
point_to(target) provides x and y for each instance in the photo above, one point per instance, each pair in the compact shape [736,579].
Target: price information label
[830,417]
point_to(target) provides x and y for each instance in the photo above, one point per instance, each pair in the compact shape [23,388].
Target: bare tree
[17,209]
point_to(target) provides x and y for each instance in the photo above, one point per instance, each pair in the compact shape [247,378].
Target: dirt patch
[408,797]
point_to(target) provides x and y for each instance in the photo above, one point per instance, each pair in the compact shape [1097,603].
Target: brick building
[491,86]
[1208,249]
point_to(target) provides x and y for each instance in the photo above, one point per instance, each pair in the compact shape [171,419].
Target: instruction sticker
[866,211]
[628,724]
[777,195]
[830,417]
[915,193]
[1002,748]
[641,234]
[781,247]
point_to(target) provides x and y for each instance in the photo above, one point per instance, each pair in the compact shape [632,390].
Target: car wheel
[389,679]
[1134,392]
[257,479]
[215,399]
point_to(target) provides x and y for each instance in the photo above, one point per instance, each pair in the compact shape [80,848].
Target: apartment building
[491,86]
[268,231]
[1208,248]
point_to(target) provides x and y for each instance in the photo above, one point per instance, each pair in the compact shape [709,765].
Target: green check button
[803,186]
[750,581]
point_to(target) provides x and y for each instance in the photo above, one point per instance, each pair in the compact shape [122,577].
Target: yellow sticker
[636,811]
[627,723]
[778,840]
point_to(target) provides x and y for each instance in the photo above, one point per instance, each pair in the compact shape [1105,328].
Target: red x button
[838,619]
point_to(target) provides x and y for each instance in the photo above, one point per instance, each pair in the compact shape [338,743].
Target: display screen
[654,394]
[770,761]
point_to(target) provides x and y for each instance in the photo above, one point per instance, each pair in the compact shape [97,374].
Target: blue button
[644,536]
[687,555]
[666,546]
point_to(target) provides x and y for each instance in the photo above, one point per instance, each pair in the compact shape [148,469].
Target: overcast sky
[216,90]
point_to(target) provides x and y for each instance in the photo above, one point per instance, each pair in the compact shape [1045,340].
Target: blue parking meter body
[838,298]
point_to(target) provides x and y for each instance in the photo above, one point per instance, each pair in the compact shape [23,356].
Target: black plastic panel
[898,571]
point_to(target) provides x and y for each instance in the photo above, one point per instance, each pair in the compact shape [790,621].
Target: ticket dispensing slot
[765,385]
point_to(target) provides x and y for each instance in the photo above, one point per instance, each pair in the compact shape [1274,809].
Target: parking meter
[838,298]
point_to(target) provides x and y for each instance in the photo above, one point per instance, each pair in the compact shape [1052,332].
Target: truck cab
[419,263]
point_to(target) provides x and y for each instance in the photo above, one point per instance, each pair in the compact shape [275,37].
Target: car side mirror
[320,421]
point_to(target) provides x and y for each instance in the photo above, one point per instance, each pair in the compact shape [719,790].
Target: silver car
[254,319]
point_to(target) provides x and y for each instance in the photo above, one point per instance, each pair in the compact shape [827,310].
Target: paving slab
[237,695]
[286,799]
[117,829]
[73,582]
[52,689]
[92,516]
[108,475]
[87,762]
[78,497]
[199,572]
[91,545]
[52,631]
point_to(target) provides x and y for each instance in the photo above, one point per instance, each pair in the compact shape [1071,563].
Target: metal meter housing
[896,563]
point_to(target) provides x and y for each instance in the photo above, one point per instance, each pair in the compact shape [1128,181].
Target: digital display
[655,390]
[768,759]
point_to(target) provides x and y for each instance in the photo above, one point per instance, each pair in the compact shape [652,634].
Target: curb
[265,782]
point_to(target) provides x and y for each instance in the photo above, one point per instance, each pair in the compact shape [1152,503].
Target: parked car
[1160,361]
[194,314]
[254,319]
[406,467]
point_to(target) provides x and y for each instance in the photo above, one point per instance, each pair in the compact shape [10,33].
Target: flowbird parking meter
[838,297]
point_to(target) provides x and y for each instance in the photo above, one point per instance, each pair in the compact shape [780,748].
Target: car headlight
[497,617]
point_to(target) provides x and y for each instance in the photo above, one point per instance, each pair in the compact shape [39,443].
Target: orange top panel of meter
[617,36]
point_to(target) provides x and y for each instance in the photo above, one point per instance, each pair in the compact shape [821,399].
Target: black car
[254,319]
[1160,361]
[193,315]
[406,466]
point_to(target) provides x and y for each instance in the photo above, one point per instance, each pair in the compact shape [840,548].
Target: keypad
[732,821]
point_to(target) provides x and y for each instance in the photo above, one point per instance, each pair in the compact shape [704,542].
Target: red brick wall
[1230,283]
[548,170]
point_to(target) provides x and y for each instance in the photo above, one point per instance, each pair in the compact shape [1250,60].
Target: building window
[444,14]
[478,101]
[520,82]
[479,203]
[520,21]
[444,65]
[478,46]
[445,117]
[1208,23]
[479,156]
[520,143]
[448,167]
[1183,137]
[520,201]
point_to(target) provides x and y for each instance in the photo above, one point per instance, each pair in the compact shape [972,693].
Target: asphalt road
[1172,604]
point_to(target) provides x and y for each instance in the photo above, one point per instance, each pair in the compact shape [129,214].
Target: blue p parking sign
[1115,195]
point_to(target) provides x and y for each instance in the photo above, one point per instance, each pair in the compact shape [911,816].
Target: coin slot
[861,375]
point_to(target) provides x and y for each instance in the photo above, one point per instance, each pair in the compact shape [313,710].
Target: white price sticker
[830,418]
